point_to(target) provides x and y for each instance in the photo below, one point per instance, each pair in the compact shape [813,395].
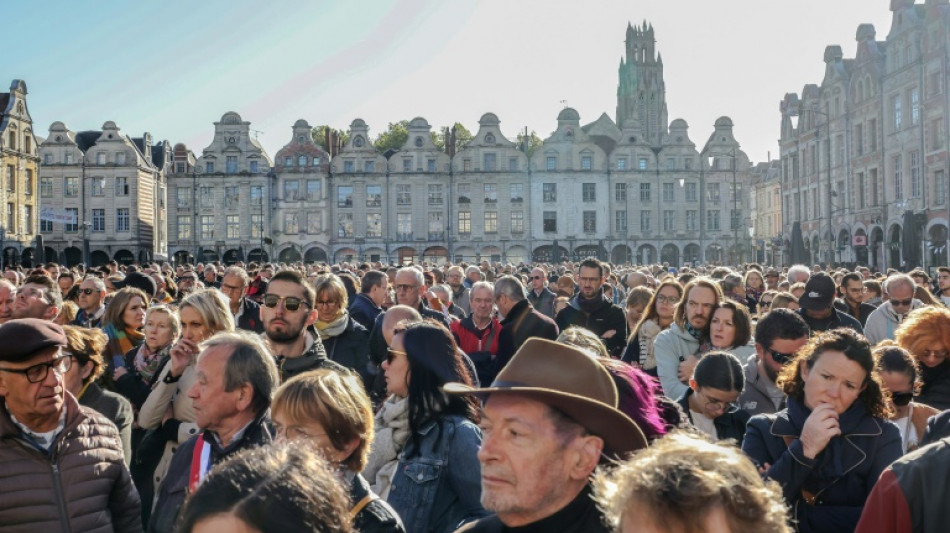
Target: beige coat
[163,396]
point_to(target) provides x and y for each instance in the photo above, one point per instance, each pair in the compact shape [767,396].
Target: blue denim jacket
[439,488]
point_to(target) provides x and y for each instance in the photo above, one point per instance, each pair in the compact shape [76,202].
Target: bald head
[636,279]
[394,316]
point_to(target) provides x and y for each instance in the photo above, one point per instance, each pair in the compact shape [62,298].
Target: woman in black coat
[345,340]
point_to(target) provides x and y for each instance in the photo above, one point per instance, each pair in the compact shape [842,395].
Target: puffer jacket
[670,347]
[82,486]
[883,322]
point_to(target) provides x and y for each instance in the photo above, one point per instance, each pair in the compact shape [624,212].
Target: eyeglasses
[901,399]
[291,303]
[902,303]
[779,357]
[403,287]
[38,373]
[326,303]
[765,303]
[87,292]
[537,277]
[391,354]
[713,404]
[940,354]
[660,299]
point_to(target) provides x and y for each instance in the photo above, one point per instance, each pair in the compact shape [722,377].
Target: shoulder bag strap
[359,506]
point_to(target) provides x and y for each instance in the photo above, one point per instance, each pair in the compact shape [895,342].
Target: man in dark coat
[540,296]
[852,284]
[817,307]
[521,321]
[247,313]
[591,310]
[233,420]
[367,305]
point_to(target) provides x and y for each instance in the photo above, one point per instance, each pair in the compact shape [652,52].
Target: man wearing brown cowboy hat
[548,420]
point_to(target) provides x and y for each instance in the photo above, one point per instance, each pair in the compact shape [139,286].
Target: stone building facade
[864,155]
[19,163]
[766,212]
[103,196]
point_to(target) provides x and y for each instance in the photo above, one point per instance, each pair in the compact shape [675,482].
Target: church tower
[641,93]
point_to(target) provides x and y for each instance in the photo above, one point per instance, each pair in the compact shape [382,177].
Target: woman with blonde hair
[925,333]
[345,340]
[331,412]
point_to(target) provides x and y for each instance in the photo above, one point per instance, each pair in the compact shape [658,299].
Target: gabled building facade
[19,163]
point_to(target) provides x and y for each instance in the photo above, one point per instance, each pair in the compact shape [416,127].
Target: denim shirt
[439,488]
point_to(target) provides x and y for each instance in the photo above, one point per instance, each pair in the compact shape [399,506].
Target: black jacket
[938,427]
[838,319]
[313,358]
[351,349]
[864,310]
[251,317]
[377,516]
[729,425]
[364,311]
[521,323]
[605,317]
[174,489]
[580,515]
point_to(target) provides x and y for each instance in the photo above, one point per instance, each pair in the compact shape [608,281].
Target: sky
[173,68]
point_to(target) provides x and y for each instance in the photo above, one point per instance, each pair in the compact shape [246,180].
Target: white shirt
[704,423]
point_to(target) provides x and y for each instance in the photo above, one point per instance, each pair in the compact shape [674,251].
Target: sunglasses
[391,354]
[87,292]
[765,303]
[291,303]
[901,399]
[779,357]
[902,303]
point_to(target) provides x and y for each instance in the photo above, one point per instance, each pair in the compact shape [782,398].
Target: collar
[43,440]
[240,311]
[855,422]
[578,515]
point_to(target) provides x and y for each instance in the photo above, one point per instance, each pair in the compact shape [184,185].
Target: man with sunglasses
[63,465]
[778,335]
[92,296]
[539,295]
[288,311]
[885,320]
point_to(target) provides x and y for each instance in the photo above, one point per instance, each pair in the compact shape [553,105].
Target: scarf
[695,333]
[146,361]
[334,327]
[123,340]
[392,432]
[589,306]
[753,294]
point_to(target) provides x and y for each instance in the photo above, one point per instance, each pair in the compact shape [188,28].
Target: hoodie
[883,322]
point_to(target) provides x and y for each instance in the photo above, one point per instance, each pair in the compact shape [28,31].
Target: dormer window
[419,142]
[301,161]
[358,141]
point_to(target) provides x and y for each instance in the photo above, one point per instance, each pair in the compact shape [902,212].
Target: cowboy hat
[571,381]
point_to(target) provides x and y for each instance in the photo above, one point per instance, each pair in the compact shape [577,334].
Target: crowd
[578,397]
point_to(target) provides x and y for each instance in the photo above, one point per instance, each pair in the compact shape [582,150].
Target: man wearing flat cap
[548,420]
[61,465]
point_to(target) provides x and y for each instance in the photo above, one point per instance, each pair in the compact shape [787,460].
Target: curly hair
[681,479]
[856,348]
[923,328]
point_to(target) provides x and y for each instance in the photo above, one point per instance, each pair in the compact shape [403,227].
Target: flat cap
[23,337]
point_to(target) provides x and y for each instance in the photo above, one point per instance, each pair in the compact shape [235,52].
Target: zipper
[58,490]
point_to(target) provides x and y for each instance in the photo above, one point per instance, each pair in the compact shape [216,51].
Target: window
[206,197]
[859,139]
[404,226]
[644,192]
[465,195]
[257,225]
[374,196]
[301,161]
[466,165]
[291,189]
[590,221]
[374,225]
[231,163]
[436,226]
[234,226]
[98,220]
[586,162]
[549,192]
[712,220]
[28,181]
[435,194]
[101,158]
[668,193]
[898,177]
[69,158]
[46,226]
[642,164]
[314,222]
[46,187]
[491,221]
[513,164]
[257,195]
[691,220]
[96,186]
[348,166]
[491,193]
[488,162]
[872,135]
[122,186]
[254,167]
[916,186]
[72,187]
[620,192]
[179,168]
[344,196]
[465,223]
[621,163]
[940,187]
[589,192]
[549,224]
[862,188]
[184,228]
[669,220]
[406,164]
[516,192]
[345,228]
[936,133]
[403,194]
[430,165]
[670,163]
[915,106]
[122,219]
[206,226]
[551,162]
[11,178]
[645,218]
[316,161]
[368,166]
[517,221]
[620,221]
[48,159]
[120,158]
[688,164]
[712,191]
[72,213]
[288,161]
[209,167]
[896,103]
[290,223]
[314,190]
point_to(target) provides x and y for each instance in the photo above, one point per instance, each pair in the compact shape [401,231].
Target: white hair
[795,271]
[899,279]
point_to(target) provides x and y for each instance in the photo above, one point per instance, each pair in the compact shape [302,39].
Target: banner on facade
[51,214]
[859,240]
